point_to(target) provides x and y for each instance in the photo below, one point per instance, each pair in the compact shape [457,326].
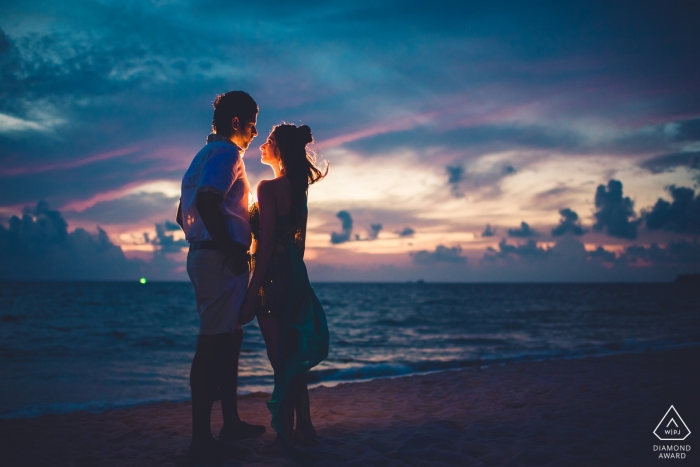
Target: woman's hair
[298,162]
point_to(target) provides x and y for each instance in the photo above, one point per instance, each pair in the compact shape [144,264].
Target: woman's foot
[305,438]
[274,448]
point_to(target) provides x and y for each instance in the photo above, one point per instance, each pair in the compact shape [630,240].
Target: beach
[569,412]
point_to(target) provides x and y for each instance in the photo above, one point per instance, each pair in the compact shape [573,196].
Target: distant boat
[688,279]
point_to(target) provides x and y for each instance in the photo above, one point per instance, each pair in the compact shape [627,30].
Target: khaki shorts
[218,291]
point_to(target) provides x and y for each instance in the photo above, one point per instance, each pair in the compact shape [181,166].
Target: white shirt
[217,168]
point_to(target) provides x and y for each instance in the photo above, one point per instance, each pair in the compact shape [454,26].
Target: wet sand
[585,412]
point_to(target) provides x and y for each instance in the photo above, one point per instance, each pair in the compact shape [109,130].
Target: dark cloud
[455,175]
[488,231]
[39,246]
[526,250]
[668,162]
[523,232]
[5,43]
[681,215]
[406,232]
[374,231]
[442,254]
[172,226]
[461,179]
[614,212]
[673,252]
[167,243]
[602,254]
[569,223]
[552,193]
[346,225]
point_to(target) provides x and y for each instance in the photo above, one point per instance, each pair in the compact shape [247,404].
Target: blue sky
[438,120]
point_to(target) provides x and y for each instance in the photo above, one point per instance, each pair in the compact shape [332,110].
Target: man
[213,212]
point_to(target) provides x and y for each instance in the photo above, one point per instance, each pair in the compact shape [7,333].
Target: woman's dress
[287,295]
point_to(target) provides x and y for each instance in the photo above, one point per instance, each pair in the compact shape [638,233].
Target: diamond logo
[671,427]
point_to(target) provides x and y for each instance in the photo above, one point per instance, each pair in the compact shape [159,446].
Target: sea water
[68,346]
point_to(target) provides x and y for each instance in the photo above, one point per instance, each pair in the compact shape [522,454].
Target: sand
[582,412]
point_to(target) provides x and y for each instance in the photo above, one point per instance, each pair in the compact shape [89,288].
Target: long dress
[287,294]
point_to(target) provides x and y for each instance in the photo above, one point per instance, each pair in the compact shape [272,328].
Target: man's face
[243,133]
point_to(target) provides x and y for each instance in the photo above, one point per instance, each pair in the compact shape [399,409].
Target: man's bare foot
[274,448]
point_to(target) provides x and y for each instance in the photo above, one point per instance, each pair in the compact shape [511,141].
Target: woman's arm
[264,249]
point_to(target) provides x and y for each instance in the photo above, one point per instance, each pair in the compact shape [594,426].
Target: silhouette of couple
[221,229]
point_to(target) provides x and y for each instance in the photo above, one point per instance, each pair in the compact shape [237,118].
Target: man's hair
[232,104]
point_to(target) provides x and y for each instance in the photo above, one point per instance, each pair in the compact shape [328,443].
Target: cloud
[39,246]
[602,254]
[569,223]
[614,212]
[455,176]
[505,251]
[668,162]
[477,175]
[488,231]
[172,226]
[442,254]
[523,232]
[346,225]
[681,215]
[131,208]
[673,252]
[5,43]
[167,243]
[406,232]
[374,231]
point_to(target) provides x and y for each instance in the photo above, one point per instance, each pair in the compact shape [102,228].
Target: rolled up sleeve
[219,173]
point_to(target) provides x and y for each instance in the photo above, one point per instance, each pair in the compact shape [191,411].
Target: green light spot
[142,280]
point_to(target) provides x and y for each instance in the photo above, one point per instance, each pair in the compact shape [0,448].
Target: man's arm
[215,223]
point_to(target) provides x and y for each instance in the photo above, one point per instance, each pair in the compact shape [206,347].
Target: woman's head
[287,147]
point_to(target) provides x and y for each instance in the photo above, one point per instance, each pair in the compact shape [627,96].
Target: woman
[290,316]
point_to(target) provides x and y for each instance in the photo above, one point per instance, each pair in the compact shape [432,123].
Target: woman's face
[270,153]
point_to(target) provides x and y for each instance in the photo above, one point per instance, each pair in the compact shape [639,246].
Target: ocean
[67,346]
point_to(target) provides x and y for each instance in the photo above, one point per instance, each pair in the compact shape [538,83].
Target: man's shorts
[218,291]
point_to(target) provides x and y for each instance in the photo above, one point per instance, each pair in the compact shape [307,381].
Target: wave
[92,407]
[367,371]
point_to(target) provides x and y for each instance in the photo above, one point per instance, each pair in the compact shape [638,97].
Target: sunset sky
[493,141]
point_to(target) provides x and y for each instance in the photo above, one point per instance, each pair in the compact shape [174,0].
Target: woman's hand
[248,309]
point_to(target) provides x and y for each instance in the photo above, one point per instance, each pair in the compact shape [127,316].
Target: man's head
[235,116]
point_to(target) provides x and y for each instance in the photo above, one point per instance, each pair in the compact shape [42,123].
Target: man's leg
[230,353]
[233,428]
[202,380]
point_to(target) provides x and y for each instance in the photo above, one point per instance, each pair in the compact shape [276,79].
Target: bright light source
[142,280]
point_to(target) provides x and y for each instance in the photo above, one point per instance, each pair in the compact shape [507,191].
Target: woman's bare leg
[305,433]
[272,329]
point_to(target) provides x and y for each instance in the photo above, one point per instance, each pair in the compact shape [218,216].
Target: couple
[218,225]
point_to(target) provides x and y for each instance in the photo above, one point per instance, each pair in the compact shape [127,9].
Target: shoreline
[98,407]
[574,412]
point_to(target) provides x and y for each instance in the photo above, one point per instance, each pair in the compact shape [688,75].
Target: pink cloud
[13,171]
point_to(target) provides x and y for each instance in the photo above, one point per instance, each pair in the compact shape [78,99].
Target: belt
[212,245]
[204,245]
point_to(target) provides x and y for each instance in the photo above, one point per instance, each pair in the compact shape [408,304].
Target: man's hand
[248,309]
[237,263]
